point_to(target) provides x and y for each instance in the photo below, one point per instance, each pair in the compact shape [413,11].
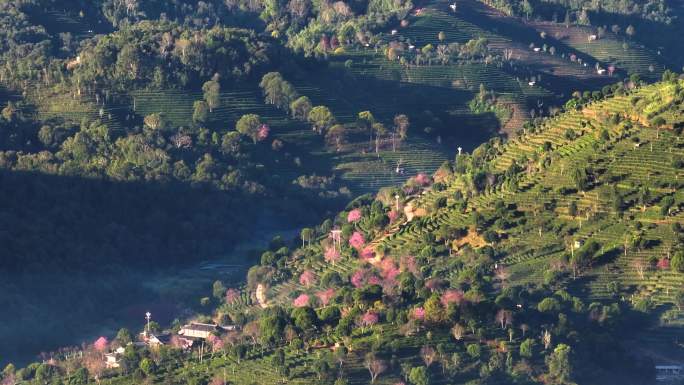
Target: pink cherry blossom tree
[369,319]
[307,278]
[418,313]
[263,132]
[331,255]
[357,240]
[354,216]
[392,216]
[663,264]
[451,296]
[423,179]
[215,342]
[325,296]
[358,278]
[367,253]
[389,269]
[408,263]
[374,280]
[301,301]
[101,344]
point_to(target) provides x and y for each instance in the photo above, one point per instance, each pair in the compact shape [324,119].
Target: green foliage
[560,367]
[200,111]
[419,376]
[248,125]
[321,118]
[474,350]
[527,348]
[549,305]
[677,262]
[218,290]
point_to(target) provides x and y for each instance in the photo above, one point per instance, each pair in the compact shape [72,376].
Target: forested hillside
[141,138]
[552,258]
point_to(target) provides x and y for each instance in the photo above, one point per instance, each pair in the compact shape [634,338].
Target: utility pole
[148,316]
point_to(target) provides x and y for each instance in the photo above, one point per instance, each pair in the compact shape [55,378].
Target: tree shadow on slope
[75,251]
[430,108]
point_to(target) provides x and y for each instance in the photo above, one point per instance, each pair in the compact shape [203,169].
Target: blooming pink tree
[418,313]
[232,296]
[451,296]
[307,278]
[367,253]
[423,179]
[301,301]
[358,278]
[389,269]
[101,344]
[215,342]
[408,263]
[392,216]
[263,131]
[374,280]
[663,264]
[357,240]
[331,255]
[354,216]
[325,296]
[369,319]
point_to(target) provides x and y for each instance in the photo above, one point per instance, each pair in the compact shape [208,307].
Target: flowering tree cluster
[367,253]
[408,263]
[369,319]
[307,278]
[354,216]
[262,132]
[389,269]
[215,342]
[422,179]
[101,344]
[301,301]
[325,296]
[451,296]
[357,240]
[663,264]
[331,255]
[418,313]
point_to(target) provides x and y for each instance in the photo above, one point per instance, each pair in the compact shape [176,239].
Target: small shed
[198,330]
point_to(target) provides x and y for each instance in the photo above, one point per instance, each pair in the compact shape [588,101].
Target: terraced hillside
[586,206]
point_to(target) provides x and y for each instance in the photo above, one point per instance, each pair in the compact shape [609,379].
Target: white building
[669,372]
[113,359]
[199,330]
